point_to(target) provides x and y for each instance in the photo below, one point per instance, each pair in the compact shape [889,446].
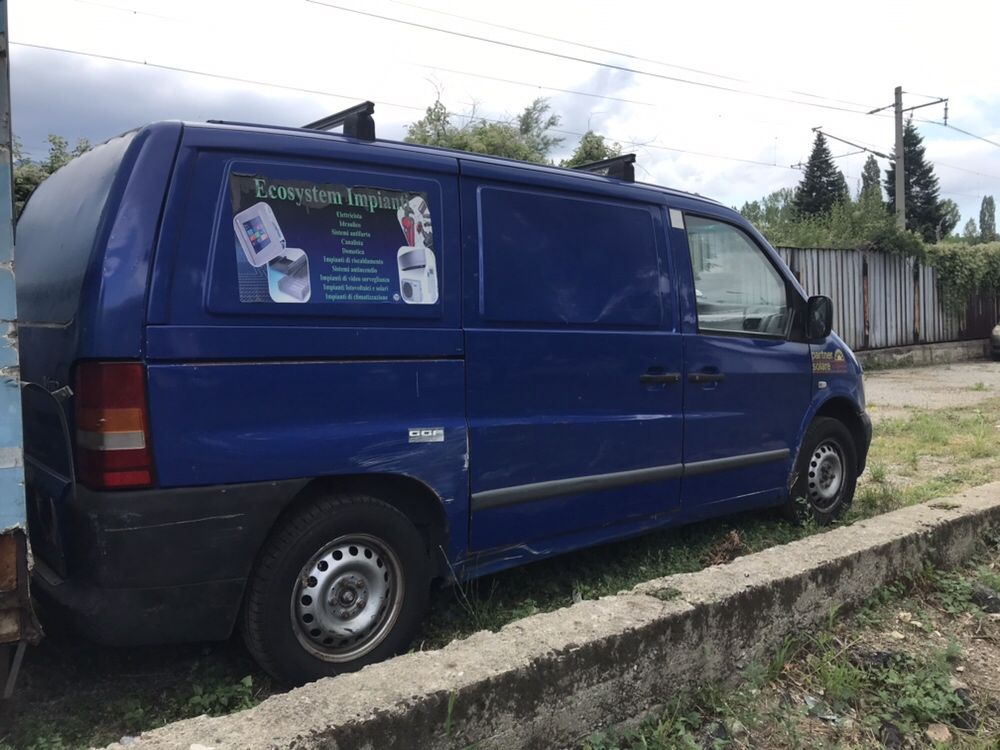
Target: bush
[964,270]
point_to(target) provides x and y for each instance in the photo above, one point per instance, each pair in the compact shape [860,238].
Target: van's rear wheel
[826,473]
[341,583]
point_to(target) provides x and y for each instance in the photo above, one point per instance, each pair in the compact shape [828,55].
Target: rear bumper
[160,566]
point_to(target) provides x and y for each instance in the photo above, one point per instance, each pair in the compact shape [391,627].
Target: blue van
[286,379]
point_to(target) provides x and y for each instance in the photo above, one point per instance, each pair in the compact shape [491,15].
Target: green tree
[950,217]
[871,179]
[592,147]
[60,154]
[772,212]
[525,137]
[988,220]
[534,124]
[971,232]
[823,185]
[924,212]
[29,174]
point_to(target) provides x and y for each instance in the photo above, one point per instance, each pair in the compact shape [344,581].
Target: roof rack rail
[357,121]
[617,167]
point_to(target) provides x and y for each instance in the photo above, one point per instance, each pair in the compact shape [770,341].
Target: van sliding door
[572,362]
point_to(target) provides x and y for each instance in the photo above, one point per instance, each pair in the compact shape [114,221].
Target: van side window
[554,259]
[736,287]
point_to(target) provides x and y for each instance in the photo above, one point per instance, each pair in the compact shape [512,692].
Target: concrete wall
[549,680]
[924,354]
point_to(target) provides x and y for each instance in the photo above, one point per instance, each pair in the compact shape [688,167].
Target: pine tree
[823,185]
[871,179]
[924,212]
[988,220]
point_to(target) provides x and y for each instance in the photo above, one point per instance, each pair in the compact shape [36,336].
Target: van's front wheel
[341,583]
[826,473]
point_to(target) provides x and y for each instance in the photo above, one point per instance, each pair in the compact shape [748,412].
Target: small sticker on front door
[427,434]
[676,219]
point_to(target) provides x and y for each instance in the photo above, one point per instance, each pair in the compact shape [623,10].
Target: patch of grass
[493,601]
[97,717]
[989,578]
[878,473]
[831,688]
[979,386]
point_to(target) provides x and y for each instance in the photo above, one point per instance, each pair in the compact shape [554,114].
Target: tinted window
[559,260]
[736,287]
[57,231]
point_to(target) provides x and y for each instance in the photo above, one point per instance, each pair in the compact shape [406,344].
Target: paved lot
[890,393]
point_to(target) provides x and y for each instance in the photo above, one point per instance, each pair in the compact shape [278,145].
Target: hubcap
[347,598]
[826,475]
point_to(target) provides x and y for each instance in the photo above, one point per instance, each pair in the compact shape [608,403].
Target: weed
[979,386]
[452,697]
[221,697]
[916,692]
[877,497]
[725,550]
[989,578]
[953,592]
[667,594]
[878,473]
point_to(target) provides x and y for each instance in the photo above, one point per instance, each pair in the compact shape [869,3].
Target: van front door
[747,384]
[573,366]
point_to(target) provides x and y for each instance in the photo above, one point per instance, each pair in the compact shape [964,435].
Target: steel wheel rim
[826,475]
[347,597]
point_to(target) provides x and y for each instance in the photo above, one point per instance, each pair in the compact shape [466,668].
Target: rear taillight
[112,426]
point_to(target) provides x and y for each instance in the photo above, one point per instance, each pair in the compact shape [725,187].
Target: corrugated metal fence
[882,300]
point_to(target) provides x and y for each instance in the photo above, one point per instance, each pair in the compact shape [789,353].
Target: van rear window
[57,232]
[553,259]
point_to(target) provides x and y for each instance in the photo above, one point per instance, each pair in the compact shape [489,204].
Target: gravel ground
[891,393]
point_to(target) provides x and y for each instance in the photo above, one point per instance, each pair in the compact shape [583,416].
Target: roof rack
[357,121]
[617,167]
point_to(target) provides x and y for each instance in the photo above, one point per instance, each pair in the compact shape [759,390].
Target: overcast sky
[844,56]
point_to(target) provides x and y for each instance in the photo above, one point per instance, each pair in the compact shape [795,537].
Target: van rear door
[83,244]
[572,361]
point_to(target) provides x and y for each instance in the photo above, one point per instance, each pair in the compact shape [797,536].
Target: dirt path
[890,393]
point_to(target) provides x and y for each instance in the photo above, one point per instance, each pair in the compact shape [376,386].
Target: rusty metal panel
[882,300]
[8,562]
[14,612]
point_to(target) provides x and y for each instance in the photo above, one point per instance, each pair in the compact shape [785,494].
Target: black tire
[826,473]
[298,644]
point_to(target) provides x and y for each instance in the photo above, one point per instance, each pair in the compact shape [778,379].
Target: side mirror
[819,317]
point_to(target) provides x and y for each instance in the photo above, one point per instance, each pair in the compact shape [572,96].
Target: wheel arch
[421,504]
[844,411]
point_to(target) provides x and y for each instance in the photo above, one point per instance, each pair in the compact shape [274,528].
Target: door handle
[660,377]
[706,377]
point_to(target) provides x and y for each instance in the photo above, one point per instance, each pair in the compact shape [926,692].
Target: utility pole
[900,167]
[898,158]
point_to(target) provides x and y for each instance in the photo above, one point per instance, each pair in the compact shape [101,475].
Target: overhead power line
[541,86]
[617,53]
[949,126]
[587,61]
[336,95]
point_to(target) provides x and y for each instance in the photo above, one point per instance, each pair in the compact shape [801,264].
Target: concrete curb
[548,680]
[920,355]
